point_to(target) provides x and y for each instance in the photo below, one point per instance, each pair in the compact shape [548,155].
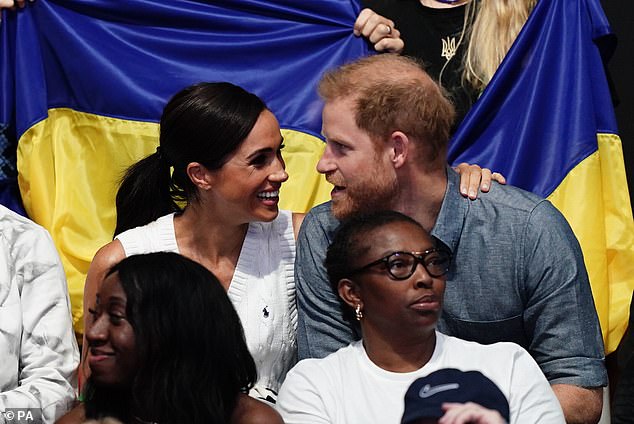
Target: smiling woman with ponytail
[210,192]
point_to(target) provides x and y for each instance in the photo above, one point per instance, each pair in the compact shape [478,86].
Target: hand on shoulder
[474,178]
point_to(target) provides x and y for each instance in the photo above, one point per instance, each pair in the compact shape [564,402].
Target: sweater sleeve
[48,353]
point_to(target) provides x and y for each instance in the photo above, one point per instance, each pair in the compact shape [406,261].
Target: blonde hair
[493,25]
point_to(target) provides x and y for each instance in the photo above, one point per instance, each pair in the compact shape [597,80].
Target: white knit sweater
[262,290]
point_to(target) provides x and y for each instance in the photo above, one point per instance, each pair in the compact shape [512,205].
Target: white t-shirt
[347,387]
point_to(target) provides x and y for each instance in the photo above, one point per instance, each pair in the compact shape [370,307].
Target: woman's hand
[4,4]
[472,178]
[463,413]
[379,30]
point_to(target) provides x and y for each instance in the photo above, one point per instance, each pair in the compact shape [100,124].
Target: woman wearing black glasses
[390,276]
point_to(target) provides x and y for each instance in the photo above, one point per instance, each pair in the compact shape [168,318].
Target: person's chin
[103,380]
[343,209]
[267,214]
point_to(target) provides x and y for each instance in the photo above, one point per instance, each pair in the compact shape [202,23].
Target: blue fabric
[52,54]
[137,53]
[276,49]
[505,284]
[540,115]
[9,191]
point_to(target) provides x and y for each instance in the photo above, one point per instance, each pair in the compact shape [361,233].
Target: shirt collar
[453,212]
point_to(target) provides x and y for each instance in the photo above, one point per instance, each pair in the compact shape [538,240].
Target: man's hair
[393,93]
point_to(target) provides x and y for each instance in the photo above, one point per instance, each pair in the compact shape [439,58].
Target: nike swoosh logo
[428,391]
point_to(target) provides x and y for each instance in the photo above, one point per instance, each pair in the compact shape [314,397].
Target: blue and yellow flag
[546,121]
[83,84]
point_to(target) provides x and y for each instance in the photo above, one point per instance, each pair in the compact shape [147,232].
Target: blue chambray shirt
[518,275]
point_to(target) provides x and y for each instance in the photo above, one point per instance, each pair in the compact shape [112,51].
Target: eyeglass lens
[403,264]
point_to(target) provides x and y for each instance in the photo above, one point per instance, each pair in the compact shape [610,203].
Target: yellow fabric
[70,165]
[305,187]
[594,199]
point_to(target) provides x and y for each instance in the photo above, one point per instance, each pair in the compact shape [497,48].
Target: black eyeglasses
[401,265]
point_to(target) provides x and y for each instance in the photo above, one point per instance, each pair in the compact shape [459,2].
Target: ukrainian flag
[546,121]
[83,83]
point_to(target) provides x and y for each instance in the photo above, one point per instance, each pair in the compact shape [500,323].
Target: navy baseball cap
[426,395]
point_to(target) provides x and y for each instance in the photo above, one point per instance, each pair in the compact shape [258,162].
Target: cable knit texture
[262,290]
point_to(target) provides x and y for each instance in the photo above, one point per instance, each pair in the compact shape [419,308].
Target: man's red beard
[376,193]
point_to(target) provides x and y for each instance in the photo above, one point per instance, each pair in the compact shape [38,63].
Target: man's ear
[350,293]
[399,148]
[199,175]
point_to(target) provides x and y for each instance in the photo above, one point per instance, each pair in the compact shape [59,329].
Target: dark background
[620,13]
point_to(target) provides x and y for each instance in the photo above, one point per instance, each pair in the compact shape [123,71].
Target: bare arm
[298,218]
[580,405]
[105,258]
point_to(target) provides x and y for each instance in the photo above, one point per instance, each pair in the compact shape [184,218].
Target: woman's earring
[357,312]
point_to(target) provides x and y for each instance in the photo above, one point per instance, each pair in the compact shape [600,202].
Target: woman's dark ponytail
[145,193]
